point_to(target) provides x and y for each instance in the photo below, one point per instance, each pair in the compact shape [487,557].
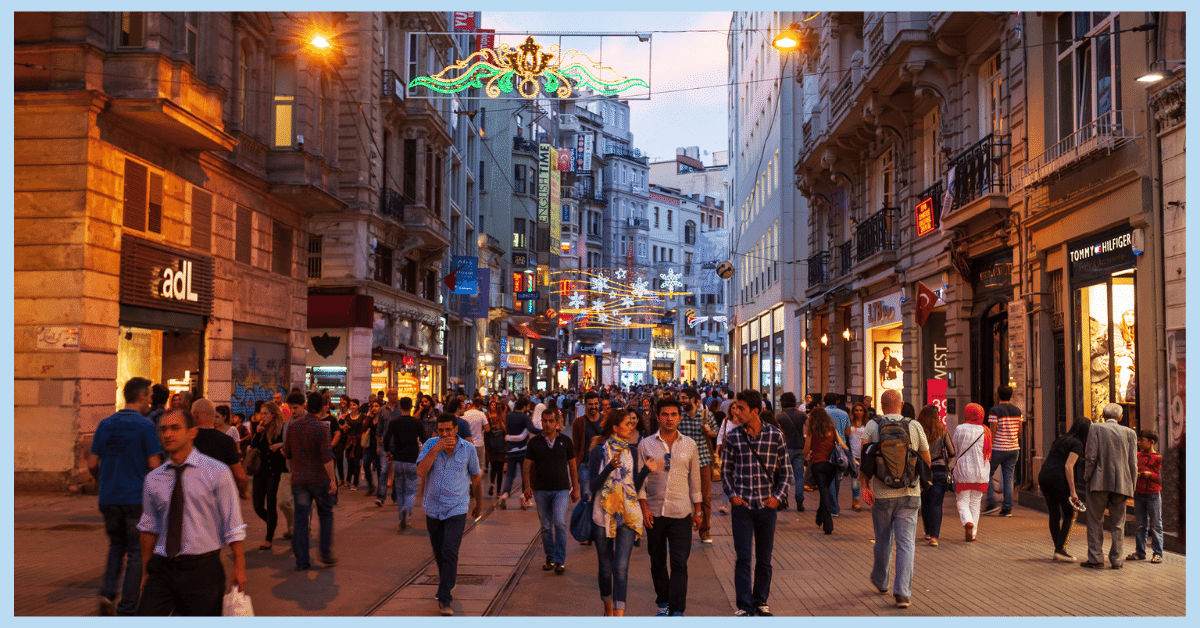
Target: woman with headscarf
[973,442]
[1057,481]
[617,474]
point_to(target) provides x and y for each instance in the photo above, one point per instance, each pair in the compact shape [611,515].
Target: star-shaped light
[619,273]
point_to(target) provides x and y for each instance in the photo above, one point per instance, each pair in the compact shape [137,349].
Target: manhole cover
[461,579]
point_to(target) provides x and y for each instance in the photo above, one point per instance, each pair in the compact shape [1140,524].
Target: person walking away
[370,446]
[617,474]
[1110,468]
[478,423]
[551,482]
[1057,479]
[973,442]
[268,441]
[1005,420]
[1147,499]
[819,441]
[124,449]
[755,475]
[859,416]
[218,445]
[793,424]
[495,446]
[695,426]
[450,468]
[518,427]
[159,395]
[894,510]
[401,446]
[310,458]
[386,413]
[672,501]
[841,420]
[941,451]
[293,408]
[190,512]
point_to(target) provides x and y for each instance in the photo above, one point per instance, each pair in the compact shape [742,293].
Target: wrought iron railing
[522,144]
[876,234]
[818,269]
[1105,133]
[391,203]
[393,86]
[845,259]
[978,171]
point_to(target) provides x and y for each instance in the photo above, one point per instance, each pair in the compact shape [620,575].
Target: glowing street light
[787,41]
[320,42]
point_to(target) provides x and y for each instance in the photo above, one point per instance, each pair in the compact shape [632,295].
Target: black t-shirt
[216,444]
[550,465]
[1054,467]
[791,421]
[403,438]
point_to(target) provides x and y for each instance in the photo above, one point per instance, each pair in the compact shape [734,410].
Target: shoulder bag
[252,461]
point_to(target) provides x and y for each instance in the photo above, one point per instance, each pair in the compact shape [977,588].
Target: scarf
[618,498]
[974,415]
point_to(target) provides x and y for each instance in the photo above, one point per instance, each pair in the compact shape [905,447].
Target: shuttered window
[281,249]
[154,207]
[244,231]
[135,195]
[201,220]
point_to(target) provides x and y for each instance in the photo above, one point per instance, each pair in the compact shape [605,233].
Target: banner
[589,144]
[712,247]
[564,159]
[555,204]
[476,306]
[464,20]
[545,165]
[465,271]
[486,38]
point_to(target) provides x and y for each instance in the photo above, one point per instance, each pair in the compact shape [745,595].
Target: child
[1147,499]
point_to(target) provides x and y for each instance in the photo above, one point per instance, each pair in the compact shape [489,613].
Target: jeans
[405,479]
[797,458]
[1060,511]
[510,473]
[674,537]
[585,491]
[263,492]
[612,556]
[445,535]
[552,507]
[895,521]
[124,541]
[370,467]
[753,532]
[834,508]
[931,504]
[304,497]
[855,486]
[384,470]
[1007,462]
[824,472]
[1147,511]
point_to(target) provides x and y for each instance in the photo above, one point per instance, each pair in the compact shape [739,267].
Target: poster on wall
[936,396]
[1016,350]
[259,371]
[1176,409]
[888,357]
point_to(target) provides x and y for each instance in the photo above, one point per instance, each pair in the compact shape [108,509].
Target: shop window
[143,198]
[1106,346]
[132,33]
[201,220]
[244,231]
[281,249]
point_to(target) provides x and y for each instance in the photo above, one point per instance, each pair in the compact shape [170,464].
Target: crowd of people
[608,466]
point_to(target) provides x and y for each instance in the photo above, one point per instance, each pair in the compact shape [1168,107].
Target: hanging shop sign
[528,71]
[633,365]
[926,219]
[164,278]
[464,20]
[662,354]
[520,260]
[712,348]
[882,311]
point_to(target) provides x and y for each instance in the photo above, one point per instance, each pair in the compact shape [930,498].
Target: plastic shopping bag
[237,604]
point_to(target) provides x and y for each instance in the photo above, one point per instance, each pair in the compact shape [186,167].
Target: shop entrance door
[993,355]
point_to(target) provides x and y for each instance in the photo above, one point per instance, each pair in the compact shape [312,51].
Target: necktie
[175,516]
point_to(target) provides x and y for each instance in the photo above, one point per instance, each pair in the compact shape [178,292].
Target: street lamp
[787,41]
[319,42]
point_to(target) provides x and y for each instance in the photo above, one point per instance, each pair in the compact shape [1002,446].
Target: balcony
[420,222]
[640,223]
[818,269]
[393,88]
[594,238]
[303,179]
[391,204]
[1095,139]
[979,183]
[526,146]
[844,260]
[876,240]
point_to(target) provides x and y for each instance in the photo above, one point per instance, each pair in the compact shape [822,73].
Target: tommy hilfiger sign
[157,276]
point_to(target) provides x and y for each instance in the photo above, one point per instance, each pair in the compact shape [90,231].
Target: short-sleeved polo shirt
[448,482]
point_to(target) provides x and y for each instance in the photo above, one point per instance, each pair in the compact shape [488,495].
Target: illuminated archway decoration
[526,69]
[601,299]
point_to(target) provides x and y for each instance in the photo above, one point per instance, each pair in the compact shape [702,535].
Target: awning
[525,368]
[433,358]
[524,330]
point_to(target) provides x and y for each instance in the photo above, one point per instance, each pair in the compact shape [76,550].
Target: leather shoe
[1091,565]
[1116,566]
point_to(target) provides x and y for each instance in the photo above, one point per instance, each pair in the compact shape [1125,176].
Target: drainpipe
[1155,244]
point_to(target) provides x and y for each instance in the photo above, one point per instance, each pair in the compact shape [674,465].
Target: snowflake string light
[602,317]
[578,301]
[671,280]
[640,288]
[625,321]
[600,283]
[598,305]
[627,302]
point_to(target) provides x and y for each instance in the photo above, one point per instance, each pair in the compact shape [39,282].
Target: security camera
[299,142]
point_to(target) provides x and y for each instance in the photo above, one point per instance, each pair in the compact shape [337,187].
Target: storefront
[883,347]
[327,359]
[710,362]
[433,374]
[166,297]
[1104,318]
[519,371]
[935,371]
[633,371]
[662,365]
[990,364]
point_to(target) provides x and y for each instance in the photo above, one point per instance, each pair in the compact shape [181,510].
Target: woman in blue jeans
[616,475]
[819,440]
[940,453]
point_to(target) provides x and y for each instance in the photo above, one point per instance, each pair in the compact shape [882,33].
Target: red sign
[464,20]
[936,396]
[925,224]
[564,159]
[486,37]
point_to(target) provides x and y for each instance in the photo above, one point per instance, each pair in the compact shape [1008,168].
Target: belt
[187,558]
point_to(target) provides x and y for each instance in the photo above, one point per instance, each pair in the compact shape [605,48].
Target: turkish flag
[926,300]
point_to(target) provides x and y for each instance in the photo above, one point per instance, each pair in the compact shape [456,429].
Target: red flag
[926,300]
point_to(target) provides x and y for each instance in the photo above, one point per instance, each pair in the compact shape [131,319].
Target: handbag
[252,461]
[236,604]
[839,458]
[581,520]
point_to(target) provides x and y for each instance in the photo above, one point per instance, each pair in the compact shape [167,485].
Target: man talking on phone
[450,468]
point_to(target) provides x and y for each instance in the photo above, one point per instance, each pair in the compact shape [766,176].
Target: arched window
[689,232]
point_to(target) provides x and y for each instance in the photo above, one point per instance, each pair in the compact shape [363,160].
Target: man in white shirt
[478,422]
[671,502]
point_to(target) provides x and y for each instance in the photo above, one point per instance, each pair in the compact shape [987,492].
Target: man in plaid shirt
[696,428]
[755,475]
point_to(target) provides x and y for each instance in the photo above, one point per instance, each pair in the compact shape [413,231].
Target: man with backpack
[891,488]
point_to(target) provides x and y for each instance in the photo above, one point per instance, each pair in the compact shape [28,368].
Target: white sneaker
[724,509]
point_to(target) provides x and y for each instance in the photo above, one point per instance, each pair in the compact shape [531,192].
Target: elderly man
[1110,468]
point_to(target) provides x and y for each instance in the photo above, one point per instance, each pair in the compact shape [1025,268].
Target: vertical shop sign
[545,165]
[554,206]
[935,395]
[589,143]
[1017,331]
[1176,357]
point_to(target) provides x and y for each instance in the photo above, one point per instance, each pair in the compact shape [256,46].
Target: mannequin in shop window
[1124,351]
[1099,366]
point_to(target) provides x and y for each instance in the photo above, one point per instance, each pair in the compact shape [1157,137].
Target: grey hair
[1112,412]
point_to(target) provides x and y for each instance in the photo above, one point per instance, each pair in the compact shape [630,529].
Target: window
[1087,69]
[192,38]
[655,251]
[518,233]
[285,101]
[132,33]
[408,276]
[519,178]
[410,170]
[656,217]
[143,198]
[242,89]
[315,244]
[689,233]
[413,70]
[322,118]
[281,249]
[670,220]
[642,250]
[932,152]
[883,179]
[687,264]
[429,289]
[243,234]
[991,120]
[201,220]
[383,264]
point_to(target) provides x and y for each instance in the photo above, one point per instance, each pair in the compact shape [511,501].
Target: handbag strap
[759,457]
[956,458]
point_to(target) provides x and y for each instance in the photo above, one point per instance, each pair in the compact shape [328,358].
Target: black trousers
[263,493]
[673,536]
[1059,510]
[190,586]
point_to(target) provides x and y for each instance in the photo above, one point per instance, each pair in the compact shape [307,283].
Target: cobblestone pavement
[60,546]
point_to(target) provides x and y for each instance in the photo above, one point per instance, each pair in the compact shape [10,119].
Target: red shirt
[307,449]
[1151,484]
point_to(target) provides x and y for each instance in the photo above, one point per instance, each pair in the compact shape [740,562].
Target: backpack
[495,441]
[891,459]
